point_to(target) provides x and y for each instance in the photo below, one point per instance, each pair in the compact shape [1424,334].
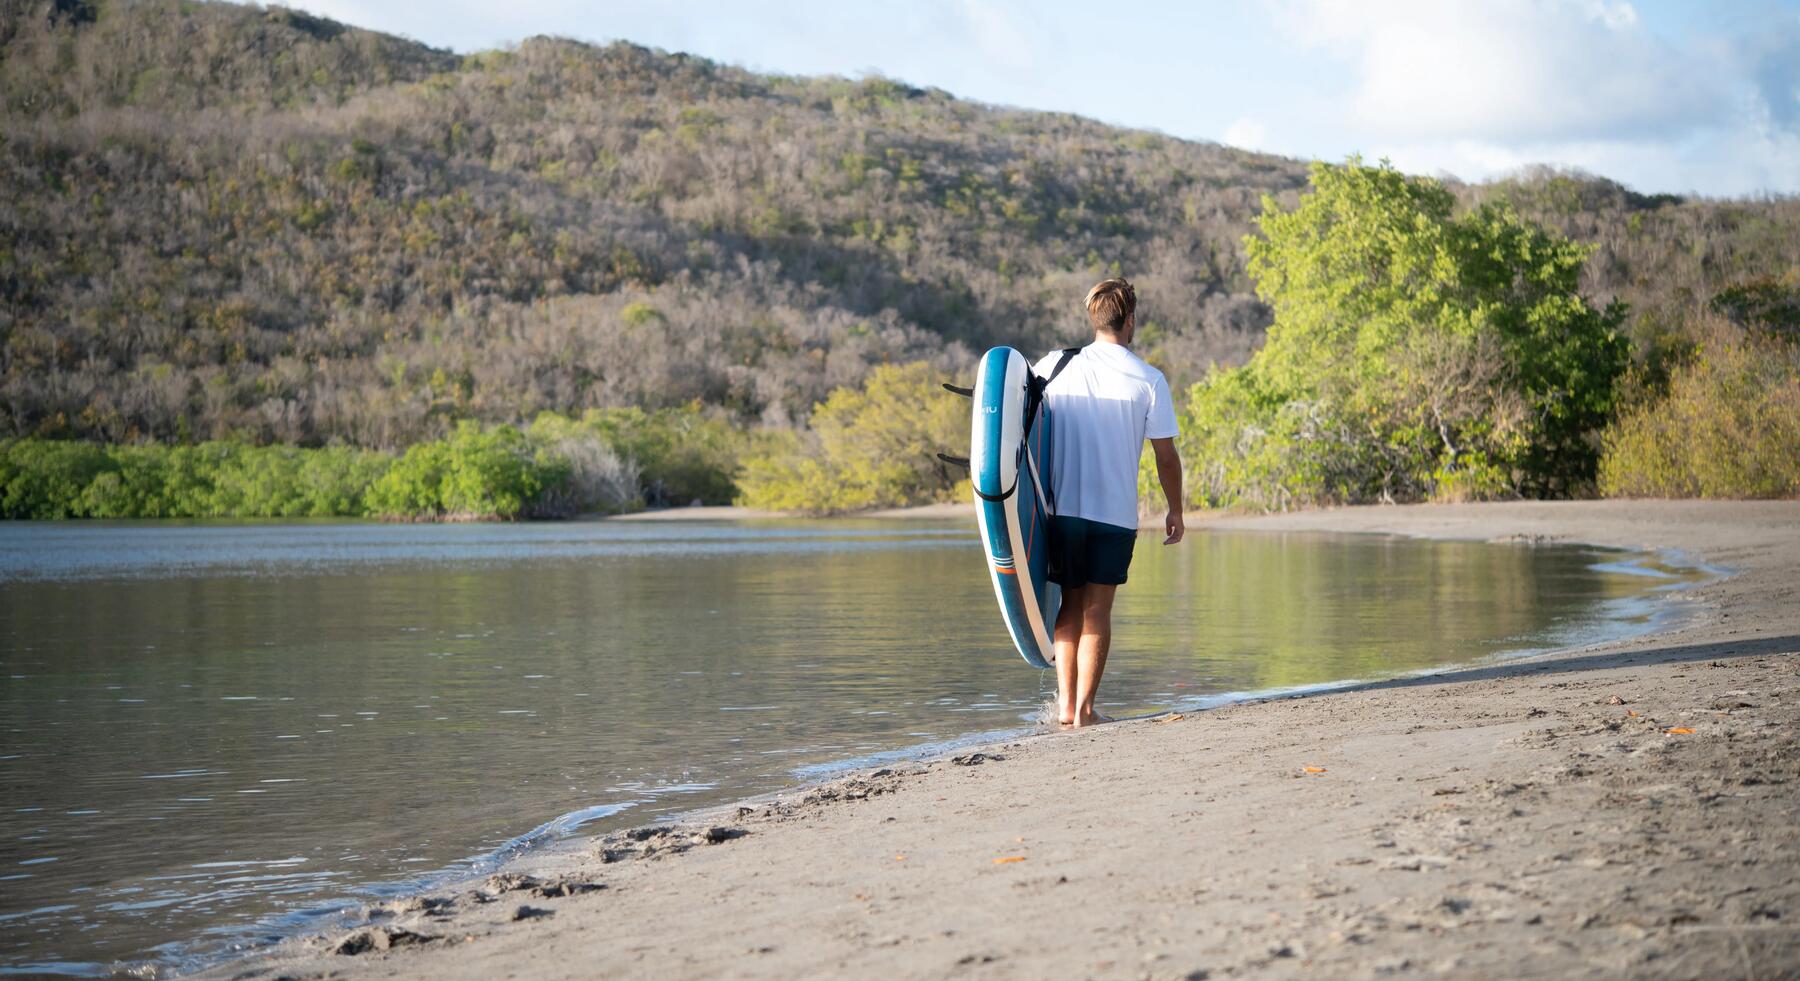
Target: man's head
[1111,306]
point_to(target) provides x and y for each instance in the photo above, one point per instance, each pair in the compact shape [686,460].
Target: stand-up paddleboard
[1009,457]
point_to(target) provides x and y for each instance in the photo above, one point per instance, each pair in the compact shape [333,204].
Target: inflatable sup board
[1009,459]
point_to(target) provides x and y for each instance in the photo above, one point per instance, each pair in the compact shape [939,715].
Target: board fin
[958,461]
[967,393]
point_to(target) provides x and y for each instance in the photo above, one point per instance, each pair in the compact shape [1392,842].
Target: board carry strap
[1035,387]
[1034,400]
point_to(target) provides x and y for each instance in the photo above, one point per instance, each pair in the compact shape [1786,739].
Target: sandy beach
[1622,810]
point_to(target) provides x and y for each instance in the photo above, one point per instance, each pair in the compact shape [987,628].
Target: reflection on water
[209,726]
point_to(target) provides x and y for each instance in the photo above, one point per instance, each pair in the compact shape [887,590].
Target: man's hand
[1174,526]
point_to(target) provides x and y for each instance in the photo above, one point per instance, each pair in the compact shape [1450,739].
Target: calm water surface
[211,733]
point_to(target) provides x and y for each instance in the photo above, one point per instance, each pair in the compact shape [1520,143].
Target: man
[1105,402]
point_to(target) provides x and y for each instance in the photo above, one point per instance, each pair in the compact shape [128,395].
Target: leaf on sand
[1177,717]
[899,858]
[1008,859]
[1631,712]
[1313,769]
[1679,731]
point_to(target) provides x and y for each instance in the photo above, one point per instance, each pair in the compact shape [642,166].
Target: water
[211,732]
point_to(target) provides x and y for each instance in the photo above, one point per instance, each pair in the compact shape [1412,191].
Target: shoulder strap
[1035,386]
[1034,403]
[1068,354]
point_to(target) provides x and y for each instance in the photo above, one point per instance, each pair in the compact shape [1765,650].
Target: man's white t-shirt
[1105,403]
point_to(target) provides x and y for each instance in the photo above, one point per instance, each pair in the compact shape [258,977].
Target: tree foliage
[1416,354]
[474,473]
[680,455]
[72,479]
[872,446]
[559,467]
[1725,424]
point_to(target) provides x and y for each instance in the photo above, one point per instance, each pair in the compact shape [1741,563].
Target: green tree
[41,479]
[67,479]
[475,473]
[1415,354]
[871,446]
[684,454]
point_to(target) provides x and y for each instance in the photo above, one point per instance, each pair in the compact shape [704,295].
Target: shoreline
[817,855]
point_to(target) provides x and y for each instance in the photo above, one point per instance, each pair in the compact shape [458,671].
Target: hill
[229,222]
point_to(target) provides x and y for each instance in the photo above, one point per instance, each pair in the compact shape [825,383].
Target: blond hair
[1109,304]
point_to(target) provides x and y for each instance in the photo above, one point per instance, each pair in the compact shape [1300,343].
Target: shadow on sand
[1747,647]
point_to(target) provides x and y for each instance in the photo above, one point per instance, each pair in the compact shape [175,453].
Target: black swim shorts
[1083,551]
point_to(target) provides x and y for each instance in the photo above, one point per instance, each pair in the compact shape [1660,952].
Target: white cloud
[1480,87]
[1773,60]
[1512,69]
[1732,163]
[1247,134]
[999,35]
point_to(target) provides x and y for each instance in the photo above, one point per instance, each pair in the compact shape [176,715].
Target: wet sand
[1627,809]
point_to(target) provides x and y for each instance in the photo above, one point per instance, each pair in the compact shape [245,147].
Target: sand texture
[1625,810]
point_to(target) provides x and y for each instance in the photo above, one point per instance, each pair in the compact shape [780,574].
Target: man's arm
[1168,473]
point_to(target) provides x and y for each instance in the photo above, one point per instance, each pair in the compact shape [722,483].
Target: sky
[1663,96]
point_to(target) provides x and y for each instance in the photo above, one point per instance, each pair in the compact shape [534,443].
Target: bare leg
[1090,658]
[1068,636]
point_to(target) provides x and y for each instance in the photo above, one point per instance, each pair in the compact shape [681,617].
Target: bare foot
[1093,719]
